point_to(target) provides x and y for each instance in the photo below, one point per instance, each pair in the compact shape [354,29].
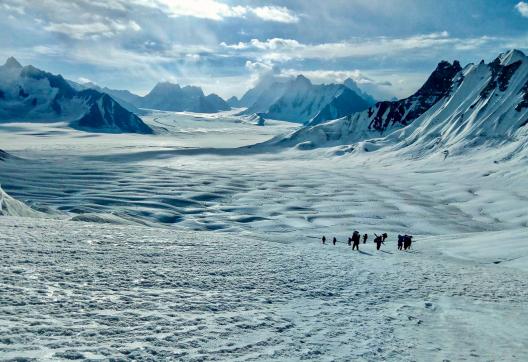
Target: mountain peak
[511,56]
[301,79]
[166,85]
[11,62]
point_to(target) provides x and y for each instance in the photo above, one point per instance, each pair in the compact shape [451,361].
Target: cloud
[522,8]
[216,10]
[84,80]
[278,49]
[105,28]
[275,13]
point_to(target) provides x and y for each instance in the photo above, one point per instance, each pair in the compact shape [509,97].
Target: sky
[224,46]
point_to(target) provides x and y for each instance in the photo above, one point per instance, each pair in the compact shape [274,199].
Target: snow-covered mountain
[456,109]
[345,102]
[233,102]
[298,100]
[303,101]
[124,97]
[350,83]
[167,96]
[30,94]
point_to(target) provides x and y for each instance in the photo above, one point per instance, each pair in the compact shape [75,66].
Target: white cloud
[84,80]
[216,10]
[279,14]
[522,7]
[280,50]
[105,28]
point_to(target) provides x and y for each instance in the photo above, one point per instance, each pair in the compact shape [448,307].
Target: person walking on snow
[407,242]
[400,242]
[365,237]
[378,241]
[323,239]
[384,236]
[334,241]
[355,240]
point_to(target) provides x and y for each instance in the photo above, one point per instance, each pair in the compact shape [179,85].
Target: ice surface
[231,267]
[71,289]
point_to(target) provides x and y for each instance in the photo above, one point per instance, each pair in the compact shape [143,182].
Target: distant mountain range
[456,109]
[298,100]
[167,96]
[30,94]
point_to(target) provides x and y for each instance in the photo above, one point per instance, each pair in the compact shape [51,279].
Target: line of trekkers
[404,241]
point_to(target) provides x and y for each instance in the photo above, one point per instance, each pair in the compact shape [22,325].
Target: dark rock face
[21,93]
[500,76]
[4,155]
[106,114]
[404,111]
[344,104]
[524,102]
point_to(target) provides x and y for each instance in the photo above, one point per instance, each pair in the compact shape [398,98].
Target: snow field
[79,290]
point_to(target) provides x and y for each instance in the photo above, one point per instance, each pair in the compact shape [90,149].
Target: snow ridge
[455,110]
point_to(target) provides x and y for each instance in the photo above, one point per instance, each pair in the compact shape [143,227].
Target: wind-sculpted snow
[71,290]
[11,207]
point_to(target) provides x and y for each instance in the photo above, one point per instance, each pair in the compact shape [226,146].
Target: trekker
[407,242]
[334,241]
[384,235]
[365,237]
[355,240]
[378,241]
[323,239]
[400,242]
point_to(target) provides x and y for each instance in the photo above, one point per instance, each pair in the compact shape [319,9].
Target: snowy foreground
[192,250]
[79,290]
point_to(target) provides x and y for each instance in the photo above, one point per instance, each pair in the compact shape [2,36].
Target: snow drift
[12,207]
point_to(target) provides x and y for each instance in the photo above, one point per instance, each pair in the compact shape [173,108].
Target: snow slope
[455,110]
[73,290]
[11,207]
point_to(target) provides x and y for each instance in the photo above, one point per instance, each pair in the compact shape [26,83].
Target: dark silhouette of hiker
[365,237]
[334,241]
[407,241]
[384,236]
[378,240]
[349,241]
[400,242]
[323,239]
[355,240]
